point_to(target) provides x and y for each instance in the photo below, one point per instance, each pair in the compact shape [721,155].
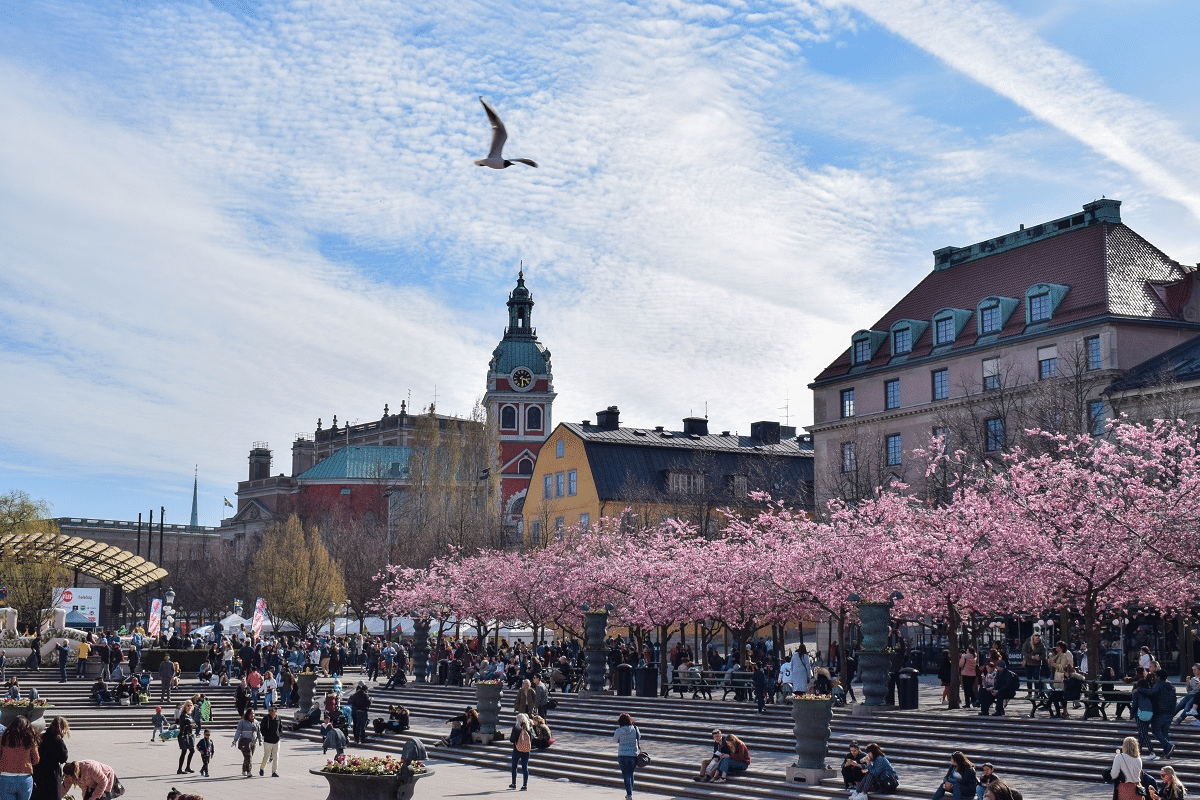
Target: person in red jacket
[738,759]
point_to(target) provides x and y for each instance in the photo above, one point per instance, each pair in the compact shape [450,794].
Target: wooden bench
[741,683]
[1094,698]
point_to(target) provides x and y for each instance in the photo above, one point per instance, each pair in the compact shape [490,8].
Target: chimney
[608,419]
[695,426]
[766,432]
[260,461]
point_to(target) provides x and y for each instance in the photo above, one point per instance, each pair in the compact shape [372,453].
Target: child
[175,794]
[988,775]
[334,738]
[159,722]
[206,752]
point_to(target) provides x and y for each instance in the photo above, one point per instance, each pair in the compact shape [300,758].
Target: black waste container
[906,688]
[624,680]
[647,681]
[443,671]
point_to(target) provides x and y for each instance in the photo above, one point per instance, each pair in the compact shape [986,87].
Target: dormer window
[993,314]
[905,333]
[862,351]
[866,344]
[947,324]
[1041,300]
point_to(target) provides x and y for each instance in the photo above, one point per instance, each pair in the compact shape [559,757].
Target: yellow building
[588,471]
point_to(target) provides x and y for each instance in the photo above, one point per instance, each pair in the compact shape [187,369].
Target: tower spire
[196,498]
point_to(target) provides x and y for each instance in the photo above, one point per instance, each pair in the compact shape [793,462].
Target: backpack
[524,744]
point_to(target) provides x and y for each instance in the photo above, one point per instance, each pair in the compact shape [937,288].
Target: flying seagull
[496,159]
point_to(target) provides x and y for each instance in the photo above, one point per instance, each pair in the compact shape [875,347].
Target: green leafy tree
[30,565]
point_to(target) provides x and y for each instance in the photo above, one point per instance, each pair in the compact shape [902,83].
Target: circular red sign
[67,595]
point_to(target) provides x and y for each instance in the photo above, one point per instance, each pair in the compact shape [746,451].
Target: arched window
[508,418]
[533,419]
[525,466]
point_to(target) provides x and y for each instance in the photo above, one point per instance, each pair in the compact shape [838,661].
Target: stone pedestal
[812,777]
[811,726]
[420,649]
[487,703]
[596,626]
[874,668]
[306,684]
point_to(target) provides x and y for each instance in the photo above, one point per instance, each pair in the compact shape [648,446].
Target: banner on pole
[260,615]
[154,628]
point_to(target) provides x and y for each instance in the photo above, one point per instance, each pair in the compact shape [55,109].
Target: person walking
[629,742]
[207,749]
[18,756]
[360,709]
[52,754]
[967,670]
[186,738]
[271,727]
[245,737]
[166,676]
[522,743]
[1127,770]
[1161,694]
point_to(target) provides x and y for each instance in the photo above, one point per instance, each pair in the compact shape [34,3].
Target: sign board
[83,601]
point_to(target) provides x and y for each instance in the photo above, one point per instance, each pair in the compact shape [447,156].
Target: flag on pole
[260,615]
[226,499]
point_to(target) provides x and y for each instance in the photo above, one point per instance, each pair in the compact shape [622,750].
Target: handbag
[643,759]
[1128,791]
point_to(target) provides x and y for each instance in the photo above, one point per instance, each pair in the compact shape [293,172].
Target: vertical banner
[154,628]
[260,614]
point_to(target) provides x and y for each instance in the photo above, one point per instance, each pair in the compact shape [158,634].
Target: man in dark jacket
[270,727]
[1162,698]
[1007,684]
[360,707]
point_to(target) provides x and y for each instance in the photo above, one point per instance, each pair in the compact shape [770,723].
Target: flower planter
[344,786]
[487,702]
[33,713]
[874,668]
[811,720]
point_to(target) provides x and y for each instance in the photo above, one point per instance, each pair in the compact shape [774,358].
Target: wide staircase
[676,732]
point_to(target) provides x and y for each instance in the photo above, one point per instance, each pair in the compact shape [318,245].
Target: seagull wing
[499,135]
[528,161]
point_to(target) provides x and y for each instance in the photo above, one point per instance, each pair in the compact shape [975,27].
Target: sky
[221,220]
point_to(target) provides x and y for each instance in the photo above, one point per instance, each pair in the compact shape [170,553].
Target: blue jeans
[956,791]
[16,787]
[728,765]
[1187,702]
[1160,727]
[522,760]
[628,765]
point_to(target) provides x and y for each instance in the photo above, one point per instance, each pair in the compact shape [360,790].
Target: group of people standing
[34,766]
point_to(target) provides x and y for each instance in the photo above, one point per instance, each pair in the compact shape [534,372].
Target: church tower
[520,392]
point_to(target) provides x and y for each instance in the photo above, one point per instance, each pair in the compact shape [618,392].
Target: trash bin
[647,684]
[906,688]
[624,680]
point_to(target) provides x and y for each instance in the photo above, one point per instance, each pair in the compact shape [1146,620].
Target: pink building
[1026,329]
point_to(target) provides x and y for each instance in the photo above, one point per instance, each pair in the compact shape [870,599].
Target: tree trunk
[664,633]
[954,622]
[1091,631]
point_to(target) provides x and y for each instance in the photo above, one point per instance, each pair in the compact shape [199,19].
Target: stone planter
[596,626]
[873,669]
[33,713]
[487,702]
[420,651]
[811,720]
[370,787]
[306,685]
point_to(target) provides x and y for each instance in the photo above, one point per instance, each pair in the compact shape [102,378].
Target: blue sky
[223,219]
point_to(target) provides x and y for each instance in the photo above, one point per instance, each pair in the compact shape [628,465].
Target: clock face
[522,378]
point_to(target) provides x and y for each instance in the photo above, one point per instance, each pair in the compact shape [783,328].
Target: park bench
[740,682]
[1094,698]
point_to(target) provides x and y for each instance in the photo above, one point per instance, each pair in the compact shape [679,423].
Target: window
[558,448]
[941,384]
[862,351]
[535,533]
[901,341]
[991,374]
[894,450]
[739,486]
[533,419]
[508,418]
[572,482]
[525,466]
[849,457]
[558,484]
[687,483]
[1092,345]
[943,330]
[1047,358]
[847,403]
[995,435]
[943,435]
[989,319]
[345,490]
[585,522]
[547,487]
[558,528]
[1096,419]
[1039,307]
[891,393]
